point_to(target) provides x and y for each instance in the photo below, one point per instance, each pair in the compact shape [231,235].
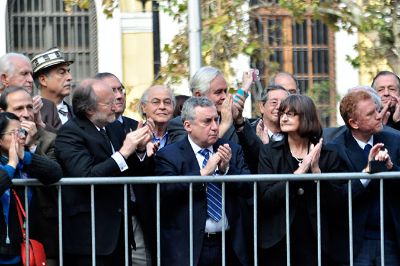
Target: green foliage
[225,35]
[377,21]
[108,5]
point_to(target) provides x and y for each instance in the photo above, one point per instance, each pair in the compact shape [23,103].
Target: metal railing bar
[60,227]
[255,244]
[382,221]
[319,221]
[223,225]
[158,226]
[350,204]
[191,224]
[201,179]
[26,203]
[92,213]
[287,224]
[126,225]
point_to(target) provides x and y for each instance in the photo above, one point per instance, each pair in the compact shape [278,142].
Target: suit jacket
[331,133]
[276,158]
[82,151]
[144,207]
[175,204]
[177,132]
[351,153]
[50,116]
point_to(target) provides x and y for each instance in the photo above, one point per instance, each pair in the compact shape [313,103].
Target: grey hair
[145,97]
[84,98]
[7,66]
[287,74]
[188,112]
[371,91]
[265,93]
[202,78]
[385,73]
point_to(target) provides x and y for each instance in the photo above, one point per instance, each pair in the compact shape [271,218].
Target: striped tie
[214,193]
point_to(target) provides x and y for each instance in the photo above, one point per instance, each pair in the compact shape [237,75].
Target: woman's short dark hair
[5,118]
[310,127]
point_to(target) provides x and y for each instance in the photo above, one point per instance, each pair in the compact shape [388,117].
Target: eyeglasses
[157,102]
[110,104]
[21,132]
[273,102]
[289,115]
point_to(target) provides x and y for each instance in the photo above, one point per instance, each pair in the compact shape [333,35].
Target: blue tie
[214,193]
[367,148]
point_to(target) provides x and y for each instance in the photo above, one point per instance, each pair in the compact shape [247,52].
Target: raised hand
[211,165]
[226,115]
[377,153]
[12,152]
[261,133]
[225,154]
[133,139]
[31,129]
[311,160]
[396,113]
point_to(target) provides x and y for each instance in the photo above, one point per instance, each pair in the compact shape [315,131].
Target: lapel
[354,154]
[188,155]
[95,136]
[70,112]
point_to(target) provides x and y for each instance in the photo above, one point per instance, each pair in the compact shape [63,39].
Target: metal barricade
[158,180]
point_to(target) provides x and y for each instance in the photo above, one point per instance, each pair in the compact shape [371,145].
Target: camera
[21,133]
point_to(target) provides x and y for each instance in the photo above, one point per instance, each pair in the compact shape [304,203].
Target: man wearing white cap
[52,75]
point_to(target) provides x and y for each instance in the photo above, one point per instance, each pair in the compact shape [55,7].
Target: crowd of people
[43,136]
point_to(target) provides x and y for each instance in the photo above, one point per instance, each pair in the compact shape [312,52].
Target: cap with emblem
[47,59]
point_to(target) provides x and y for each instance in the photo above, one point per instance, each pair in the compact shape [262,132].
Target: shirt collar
[196,148]
[362,144]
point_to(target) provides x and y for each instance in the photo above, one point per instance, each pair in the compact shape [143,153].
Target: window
[305,49]
[34,26]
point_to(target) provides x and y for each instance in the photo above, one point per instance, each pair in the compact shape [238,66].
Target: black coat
[353,156]
[276,158]
[82,152]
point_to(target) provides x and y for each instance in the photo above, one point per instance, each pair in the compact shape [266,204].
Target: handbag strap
[20,211]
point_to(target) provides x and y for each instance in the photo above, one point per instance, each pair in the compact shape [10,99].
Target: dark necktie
[214,193]
[367,148]
[106,139]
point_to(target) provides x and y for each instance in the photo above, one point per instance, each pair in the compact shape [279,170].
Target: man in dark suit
[201,153]
[52,76]
[143,216]
[118,88]
[252,135]
[207,82]
[366,148]
[86,146]
[387,85]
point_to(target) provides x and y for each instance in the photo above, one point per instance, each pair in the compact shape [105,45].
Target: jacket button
[300,191]
[120,210]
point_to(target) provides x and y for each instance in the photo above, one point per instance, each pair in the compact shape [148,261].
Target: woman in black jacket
[16,162]
[301,151]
